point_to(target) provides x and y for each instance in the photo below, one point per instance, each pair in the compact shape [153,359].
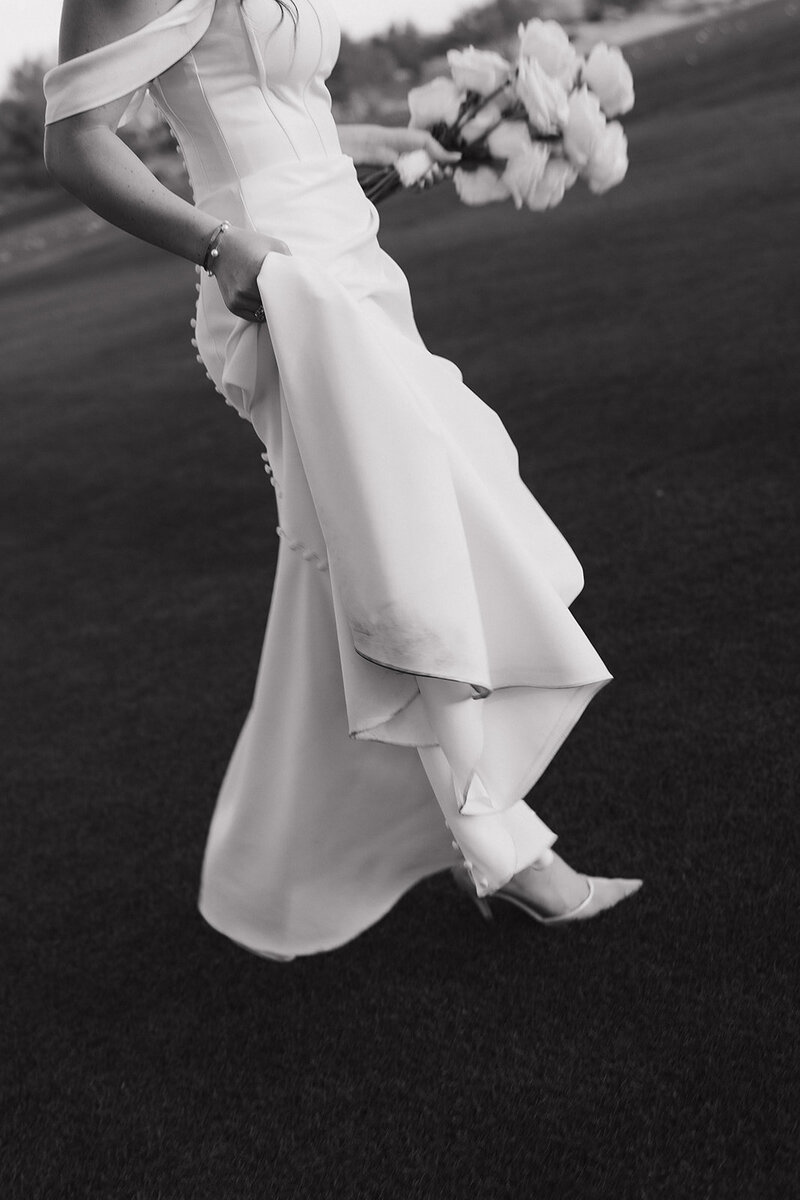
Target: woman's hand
[383,144]
[236,270]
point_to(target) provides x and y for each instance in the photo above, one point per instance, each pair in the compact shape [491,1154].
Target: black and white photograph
[399,599]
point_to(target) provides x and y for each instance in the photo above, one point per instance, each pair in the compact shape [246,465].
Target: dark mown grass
[643,351]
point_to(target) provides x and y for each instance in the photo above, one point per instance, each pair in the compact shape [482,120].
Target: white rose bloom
[481,186]
[608,164]
[549,190]
[509,139]
[544,98]
[480,71]
[585,126]
[524,171]
[412,166]
[546,43]
[486,118]
[438,100]
[610,78]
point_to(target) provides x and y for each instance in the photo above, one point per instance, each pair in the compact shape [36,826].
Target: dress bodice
[251,93]
[240,82]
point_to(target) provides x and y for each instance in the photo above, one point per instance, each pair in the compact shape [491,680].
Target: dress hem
[327,944]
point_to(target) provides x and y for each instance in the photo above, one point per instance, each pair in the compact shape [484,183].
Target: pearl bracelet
[212,249]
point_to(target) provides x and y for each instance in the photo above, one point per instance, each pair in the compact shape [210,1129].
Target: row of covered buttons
[193,322]
[480,881]
[293,543]
[199,357]
[271,476]
[309,555]
[265,457]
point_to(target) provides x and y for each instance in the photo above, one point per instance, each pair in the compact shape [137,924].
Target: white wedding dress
[410,551]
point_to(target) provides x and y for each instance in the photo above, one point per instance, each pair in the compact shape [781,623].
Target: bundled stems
[384,181]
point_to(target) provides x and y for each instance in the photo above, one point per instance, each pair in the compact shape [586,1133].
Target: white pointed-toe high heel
[601,894]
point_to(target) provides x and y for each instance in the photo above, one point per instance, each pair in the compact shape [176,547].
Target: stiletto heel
[601,894]
[464,883]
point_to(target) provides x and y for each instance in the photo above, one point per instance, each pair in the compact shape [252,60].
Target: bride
[421,666]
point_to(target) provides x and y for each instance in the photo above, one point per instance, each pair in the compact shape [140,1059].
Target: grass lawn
[643,351]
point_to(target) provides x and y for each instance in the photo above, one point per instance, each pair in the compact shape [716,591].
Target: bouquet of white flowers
[526,131]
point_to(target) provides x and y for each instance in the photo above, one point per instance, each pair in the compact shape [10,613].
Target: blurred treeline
[22,108]
[370,81]
[404,54]
[21,126]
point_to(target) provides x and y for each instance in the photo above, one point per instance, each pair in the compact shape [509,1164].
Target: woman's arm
[383,143]
[85,155]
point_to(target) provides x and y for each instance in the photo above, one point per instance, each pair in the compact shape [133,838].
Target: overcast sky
[30,27]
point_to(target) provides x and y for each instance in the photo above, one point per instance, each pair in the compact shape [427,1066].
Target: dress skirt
[421,665]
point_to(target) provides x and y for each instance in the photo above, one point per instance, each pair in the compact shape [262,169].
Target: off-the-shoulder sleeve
[127,65]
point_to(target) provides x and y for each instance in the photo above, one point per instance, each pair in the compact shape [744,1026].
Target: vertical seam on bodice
[261,68]
[210,108]
[313,77]
[212,114]
[175,123]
